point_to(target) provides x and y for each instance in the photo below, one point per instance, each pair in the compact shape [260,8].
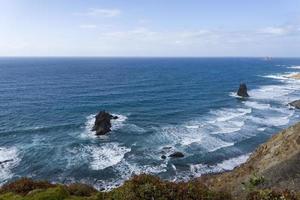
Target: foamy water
[174,104]
[9,159]
[200,169]
[107,155]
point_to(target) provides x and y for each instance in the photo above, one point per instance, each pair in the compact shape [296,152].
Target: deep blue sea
[47,108]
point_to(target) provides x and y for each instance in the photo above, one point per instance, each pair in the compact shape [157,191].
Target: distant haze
[150,28]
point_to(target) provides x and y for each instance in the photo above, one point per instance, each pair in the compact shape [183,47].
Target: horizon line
[272,57]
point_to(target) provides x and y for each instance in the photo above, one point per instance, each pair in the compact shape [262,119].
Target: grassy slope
[276,162]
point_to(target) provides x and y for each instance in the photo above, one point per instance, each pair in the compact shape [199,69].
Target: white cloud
[274,30]
[96,12]
[88,26]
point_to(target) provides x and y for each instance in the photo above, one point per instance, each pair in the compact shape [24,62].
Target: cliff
[274,164]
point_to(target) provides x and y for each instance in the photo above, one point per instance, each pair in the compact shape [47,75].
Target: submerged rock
[6,161]
[176,155]
[103,123]
[242,92]
[295,104]
[163,157]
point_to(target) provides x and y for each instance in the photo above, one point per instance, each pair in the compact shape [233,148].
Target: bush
[254,181]
[147,187]
[25,185]
[271,195]
[57,193]
[83,190]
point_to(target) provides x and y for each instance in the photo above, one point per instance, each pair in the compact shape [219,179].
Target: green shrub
[254,181]
[10,196]
[83,190]
[271,195]
[57,193]
[147,187]
[24,185]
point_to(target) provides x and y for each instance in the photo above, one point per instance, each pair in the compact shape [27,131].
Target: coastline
[268,165]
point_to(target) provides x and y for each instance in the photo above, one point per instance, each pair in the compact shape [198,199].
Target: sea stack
[103,123]
[242,92]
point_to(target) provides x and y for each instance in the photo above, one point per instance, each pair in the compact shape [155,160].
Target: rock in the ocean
[163,157]
[295,104]
[242,92]
[6,161]
[102,123]
[177,155]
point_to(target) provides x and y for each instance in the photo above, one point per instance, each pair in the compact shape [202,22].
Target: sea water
[48,105]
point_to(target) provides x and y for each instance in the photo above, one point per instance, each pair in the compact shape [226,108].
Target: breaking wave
[200,169]
[9,158]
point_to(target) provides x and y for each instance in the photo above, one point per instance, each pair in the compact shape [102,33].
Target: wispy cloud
[280,30]
[274,31]
[100,12]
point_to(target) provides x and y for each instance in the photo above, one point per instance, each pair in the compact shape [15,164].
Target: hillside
[274,164]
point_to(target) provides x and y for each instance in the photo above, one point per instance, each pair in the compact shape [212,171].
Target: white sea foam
[261,129]
[200,169]
[294,67]
[256,105]
[184,135]
[281,76]
[271,121]
[228,114]
[279,93]
[10,155]
[106,155]
[118,123]
[228,120]
[125,170]
[204,131]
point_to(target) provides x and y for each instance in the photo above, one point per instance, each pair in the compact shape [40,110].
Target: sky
[170,28]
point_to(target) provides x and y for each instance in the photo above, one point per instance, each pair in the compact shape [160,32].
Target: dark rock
[242,92]
[6,161]
[115,117]
[177,155]
[103,123]
[295,104]
[166,148]
[163,157]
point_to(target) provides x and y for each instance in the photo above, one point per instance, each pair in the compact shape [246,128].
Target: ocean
[48,105]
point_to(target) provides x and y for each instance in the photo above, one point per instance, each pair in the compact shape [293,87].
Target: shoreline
[280,153]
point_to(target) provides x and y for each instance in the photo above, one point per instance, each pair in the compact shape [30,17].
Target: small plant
[254,181]
[271,195]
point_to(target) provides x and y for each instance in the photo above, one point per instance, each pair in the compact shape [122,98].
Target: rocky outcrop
[103,123]
[295,104]
[176,155]
[242,92]
[277,161]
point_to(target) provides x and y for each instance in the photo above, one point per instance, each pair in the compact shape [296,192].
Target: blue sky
[150,28]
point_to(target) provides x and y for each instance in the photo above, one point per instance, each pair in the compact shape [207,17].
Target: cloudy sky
[150,28]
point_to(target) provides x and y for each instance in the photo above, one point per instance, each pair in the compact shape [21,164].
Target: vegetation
[254,181]
[139,187]
[142,187]
[271,195]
